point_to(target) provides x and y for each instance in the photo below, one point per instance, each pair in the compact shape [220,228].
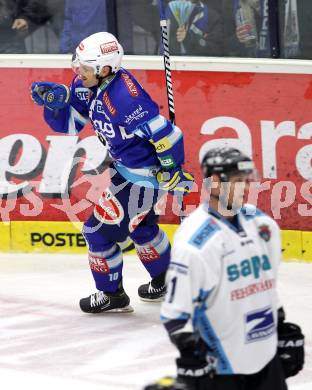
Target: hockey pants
[271,377]
[124,210]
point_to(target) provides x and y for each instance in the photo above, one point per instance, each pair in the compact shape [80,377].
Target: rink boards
[264,106]
[66,237]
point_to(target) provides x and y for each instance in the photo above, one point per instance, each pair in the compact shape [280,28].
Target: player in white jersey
[221,308]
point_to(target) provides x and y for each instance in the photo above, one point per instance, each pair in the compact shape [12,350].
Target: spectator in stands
[195,28]
[232,46]
[82,18]
[295,28]
[304,22]
[18,18]
[56,11]
[252,27]
[120,22]
[139,10]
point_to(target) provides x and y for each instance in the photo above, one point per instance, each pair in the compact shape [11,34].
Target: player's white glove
[51,95]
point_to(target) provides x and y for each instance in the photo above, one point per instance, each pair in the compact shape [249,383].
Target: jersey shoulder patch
[204,233]
[131,86]
[251,212]
[108,103]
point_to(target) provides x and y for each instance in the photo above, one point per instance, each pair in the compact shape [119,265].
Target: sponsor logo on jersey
[133,90]
[135,115]
[147,253]
[109,47]
[98,264]
[167,161]
[265,232]
[204,233]
[109,210]
[259,325]
[135,221]
[248,267]
[162,145]
[83,94]
[108,103]
[251,289]
[58,239]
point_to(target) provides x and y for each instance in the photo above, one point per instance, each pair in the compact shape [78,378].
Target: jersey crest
[265,232]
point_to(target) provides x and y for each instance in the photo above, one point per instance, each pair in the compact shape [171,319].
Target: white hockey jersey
[223,280]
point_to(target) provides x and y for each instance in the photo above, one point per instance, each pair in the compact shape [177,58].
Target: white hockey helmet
[98,50]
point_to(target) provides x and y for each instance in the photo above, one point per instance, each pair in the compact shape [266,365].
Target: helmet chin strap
[105,79]
[99,79]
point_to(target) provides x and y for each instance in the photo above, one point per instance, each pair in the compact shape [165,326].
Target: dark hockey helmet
[225,162]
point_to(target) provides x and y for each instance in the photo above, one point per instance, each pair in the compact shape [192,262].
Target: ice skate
[153,291]
[100,302]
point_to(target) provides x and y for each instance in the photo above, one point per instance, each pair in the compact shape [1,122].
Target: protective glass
[75,63]
[80,68]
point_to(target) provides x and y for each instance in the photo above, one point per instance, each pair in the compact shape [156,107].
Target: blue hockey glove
[51,95]
[175,181]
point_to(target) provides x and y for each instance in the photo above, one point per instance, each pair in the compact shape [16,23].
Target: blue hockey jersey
[126,119]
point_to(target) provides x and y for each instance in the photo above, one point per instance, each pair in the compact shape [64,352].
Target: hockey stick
[165,42]
[166,55]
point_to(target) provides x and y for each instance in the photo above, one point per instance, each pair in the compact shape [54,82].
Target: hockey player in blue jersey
[147,152]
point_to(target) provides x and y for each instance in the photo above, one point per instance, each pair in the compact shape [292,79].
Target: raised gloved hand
[290,347]
[51,95]
[175,181]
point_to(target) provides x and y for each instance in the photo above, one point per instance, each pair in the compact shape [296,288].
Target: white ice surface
[47,343]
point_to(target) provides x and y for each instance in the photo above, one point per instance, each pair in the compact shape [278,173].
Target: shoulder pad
[204,233]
